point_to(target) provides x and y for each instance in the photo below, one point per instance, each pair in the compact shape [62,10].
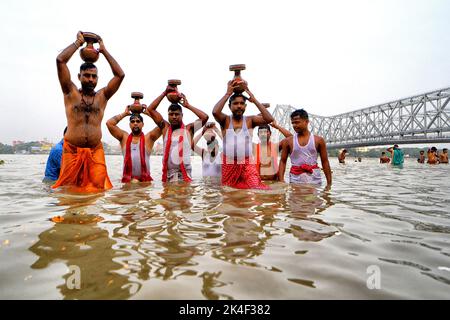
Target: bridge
[423,118]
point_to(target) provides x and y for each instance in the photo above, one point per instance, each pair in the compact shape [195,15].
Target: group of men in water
[397,156]
[241,164]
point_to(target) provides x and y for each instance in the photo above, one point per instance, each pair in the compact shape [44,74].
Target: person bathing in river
[384,158]
[177,141]
[238,166]
[136,146]
[83,167]
[211,157]
[266,152]
[304,149]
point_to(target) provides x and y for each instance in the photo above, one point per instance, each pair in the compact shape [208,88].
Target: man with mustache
[83,167]
[136,146]
[177,137]
[238,165]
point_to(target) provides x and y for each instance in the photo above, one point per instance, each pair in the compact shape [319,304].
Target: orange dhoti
[83,169]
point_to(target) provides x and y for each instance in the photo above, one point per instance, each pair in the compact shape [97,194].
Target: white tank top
[237,145]
[174,158]
[136,158]
[211,167]
[305,155]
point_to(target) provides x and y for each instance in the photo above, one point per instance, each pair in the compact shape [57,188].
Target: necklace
[88,105]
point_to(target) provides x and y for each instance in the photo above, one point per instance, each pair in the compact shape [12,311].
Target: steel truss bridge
[423,118]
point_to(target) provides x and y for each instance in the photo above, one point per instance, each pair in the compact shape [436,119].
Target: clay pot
[89,53]
[241,83]
[137,107]
[173,95]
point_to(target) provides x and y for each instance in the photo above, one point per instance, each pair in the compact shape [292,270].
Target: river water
[381,232]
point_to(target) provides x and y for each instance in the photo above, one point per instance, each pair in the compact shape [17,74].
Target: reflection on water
[202,241]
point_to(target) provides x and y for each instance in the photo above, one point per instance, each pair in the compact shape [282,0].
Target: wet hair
[175,107]
[445,149]
[422,151]
[87,65]
[345,150]
[300,113]
[383,152]
[236,95]
[433,149]
[65,130]
[136,115]
[264,126]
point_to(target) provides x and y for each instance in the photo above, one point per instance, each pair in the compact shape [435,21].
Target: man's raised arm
[265,117]
[61,63]
[202,117]
[155,115]
[117,71]
[217,111]
[115,131]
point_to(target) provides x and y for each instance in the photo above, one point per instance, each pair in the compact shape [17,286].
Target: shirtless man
[136,158]
[443,157]
[266,152]
[238,166]
[432,157]
[341,156]
[384,158]
[304,149]
[83,161]
[421,158]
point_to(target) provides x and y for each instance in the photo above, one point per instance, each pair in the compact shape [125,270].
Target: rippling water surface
[202,241]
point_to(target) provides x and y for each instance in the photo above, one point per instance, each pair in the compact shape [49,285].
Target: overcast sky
[326,56]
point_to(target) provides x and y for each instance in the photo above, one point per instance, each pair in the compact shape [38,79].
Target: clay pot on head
[174,96]
[137,107]
[241,83]
[89,53]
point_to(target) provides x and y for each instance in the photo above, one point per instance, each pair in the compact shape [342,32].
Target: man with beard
[136,147]
[83,166]
[304,149]
[177,137]
[238,166]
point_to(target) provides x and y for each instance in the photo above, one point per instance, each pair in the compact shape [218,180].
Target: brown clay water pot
[137,107]
[89,53]
[241,83]
[173,95]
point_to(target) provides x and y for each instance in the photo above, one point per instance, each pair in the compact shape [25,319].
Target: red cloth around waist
[304,168]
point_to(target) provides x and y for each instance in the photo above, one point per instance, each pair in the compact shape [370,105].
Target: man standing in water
[396,155]
[238,167]
[136,147]
[432,157]
[303,149]
[266,152]
[83,161]
[211,158]
[384,158]
[341,156]
[421,158]
[443,157]
[177,139]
